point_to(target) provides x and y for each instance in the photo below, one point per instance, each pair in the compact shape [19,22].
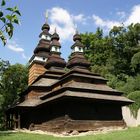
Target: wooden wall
[35,70]
[72,115]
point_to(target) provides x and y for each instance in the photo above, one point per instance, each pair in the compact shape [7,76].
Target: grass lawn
[129,134]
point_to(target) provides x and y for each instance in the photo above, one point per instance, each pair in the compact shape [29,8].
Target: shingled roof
[79,82]
[68,86]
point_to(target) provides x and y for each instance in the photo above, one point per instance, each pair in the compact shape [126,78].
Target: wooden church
[65,96]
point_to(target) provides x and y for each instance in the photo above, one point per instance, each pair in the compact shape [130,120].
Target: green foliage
[3,66]
[13,80]
[114,81]
[135,62]
[135,106]
[131,88]
[98,50]
[131,84]
[8,17]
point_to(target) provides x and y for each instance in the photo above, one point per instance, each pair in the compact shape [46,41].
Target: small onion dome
[55,61]
[77,46]
[76,37]
[45,32]
[55,44]
[44,42]
[55,36]
[45,35]
[46,26]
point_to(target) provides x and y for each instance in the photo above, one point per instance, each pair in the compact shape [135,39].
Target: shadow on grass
[6,133]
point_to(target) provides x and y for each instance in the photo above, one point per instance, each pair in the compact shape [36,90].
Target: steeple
[41,54]
[77,58]
[55,61]
[42,48]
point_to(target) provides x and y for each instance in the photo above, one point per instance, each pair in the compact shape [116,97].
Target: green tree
[8,17]
[136,97]
[3,66]
[135,62]
[125,43]
[98,51]
[13,80]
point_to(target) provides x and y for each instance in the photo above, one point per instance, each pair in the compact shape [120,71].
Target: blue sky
[87,15]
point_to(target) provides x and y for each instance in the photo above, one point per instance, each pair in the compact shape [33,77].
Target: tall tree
[13,80]
[125,43]
[98,50]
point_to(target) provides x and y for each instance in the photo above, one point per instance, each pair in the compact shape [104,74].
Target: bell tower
[41,54]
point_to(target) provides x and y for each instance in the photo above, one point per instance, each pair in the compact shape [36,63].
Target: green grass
[129,134]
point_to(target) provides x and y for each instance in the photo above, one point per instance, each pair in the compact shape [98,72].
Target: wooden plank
[79,125]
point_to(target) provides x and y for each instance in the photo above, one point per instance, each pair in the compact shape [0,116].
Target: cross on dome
[46,15]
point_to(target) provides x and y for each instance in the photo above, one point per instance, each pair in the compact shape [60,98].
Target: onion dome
[55,44]
[44,42]
[45,26]
[55,37]
[55,61]
[77,58]
[45,32]
[77,46]
[76,37]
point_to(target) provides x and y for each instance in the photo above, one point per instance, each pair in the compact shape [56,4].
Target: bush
[135,106]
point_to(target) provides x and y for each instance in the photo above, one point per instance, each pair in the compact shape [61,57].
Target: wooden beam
[18,121]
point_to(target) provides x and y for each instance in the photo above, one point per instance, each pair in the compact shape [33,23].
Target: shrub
[135,106]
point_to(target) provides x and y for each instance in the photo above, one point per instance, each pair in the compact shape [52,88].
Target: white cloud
[12,45]
[79,18]
[133,17]
[105,23]
[64,22]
